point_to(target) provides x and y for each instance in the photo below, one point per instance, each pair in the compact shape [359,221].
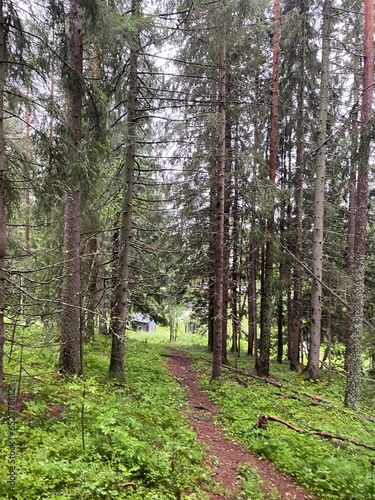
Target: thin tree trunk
[93,278]
[317,250]
[27,197]
[252,341]
[252,304]
[265,336]
[226,266]
[235,258]
[220,209]
[101,294]
[352,188]
[280,315]
[211,265]
[353,382]
[70,355]
[3,234]
[120,311]
[296,320]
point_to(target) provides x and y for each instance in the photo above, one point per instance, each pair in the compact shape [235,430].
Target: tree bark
[211,262]
[101,294]
[70,355]
[3,234]
[352,188]
[252,301]
[120,310]
[92,287]
[296,320]
[317,249]
[236,323]
[265,335]
[220,222]
[353,382]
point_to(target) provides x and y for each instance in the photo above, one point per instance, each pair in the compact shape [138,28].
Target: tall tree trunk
[265,336]
[27,197]
[70,354]
[220,222]
[120,310]
[235,259]
[3,234]
[211,263]
[296,320]
[317,250]
[252,340]
[353,382]
[227,204]
[352,188]
[227,212]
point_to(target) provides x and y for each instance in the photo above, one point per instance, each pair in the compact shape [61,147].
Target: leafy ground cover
[91,438]
[330,468]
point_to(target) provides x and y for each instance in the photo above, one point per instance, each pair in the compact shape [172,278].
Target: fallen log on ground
[278,384]
[265,418]
[319,400]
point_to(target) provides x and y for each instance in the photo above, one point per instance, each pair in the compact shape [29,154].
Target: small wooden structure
[143,322]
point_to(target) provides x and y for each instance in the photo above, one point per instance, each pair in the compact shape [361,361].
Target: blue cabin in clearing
[143,322]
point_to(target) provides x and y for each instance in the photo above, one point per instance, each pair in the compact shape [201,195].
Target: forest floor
[225,456]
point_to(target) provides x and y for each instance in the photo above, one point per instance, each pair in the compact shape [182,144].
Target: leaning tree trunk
[3,236]
[71,343]
[121,293]
[263,361]
[353,382]
[317,249]
[220,216]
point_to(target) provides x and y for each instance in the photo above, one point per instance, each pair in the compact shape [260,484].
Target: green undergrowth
[89,438]
[330,468]
[251,485]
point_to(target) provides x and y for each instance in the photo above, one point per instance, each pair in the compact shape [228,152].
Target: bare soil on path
[224,456]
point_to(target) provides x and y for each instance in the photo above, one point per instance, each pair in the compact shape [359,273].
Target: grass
[88,438]
[332,469]
[92,439]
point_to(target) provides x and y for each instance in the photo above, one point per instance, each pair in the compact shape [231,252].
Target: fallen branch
[172,356]
[263,418]
[293,396]
[277,384]
[125,485]
[318,400]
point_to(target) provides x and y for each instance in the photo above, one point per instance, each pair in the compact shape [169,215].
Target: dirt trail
[225,456]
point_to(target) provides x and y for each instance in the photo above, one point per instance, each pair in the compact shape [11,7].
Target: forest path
[223,455]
